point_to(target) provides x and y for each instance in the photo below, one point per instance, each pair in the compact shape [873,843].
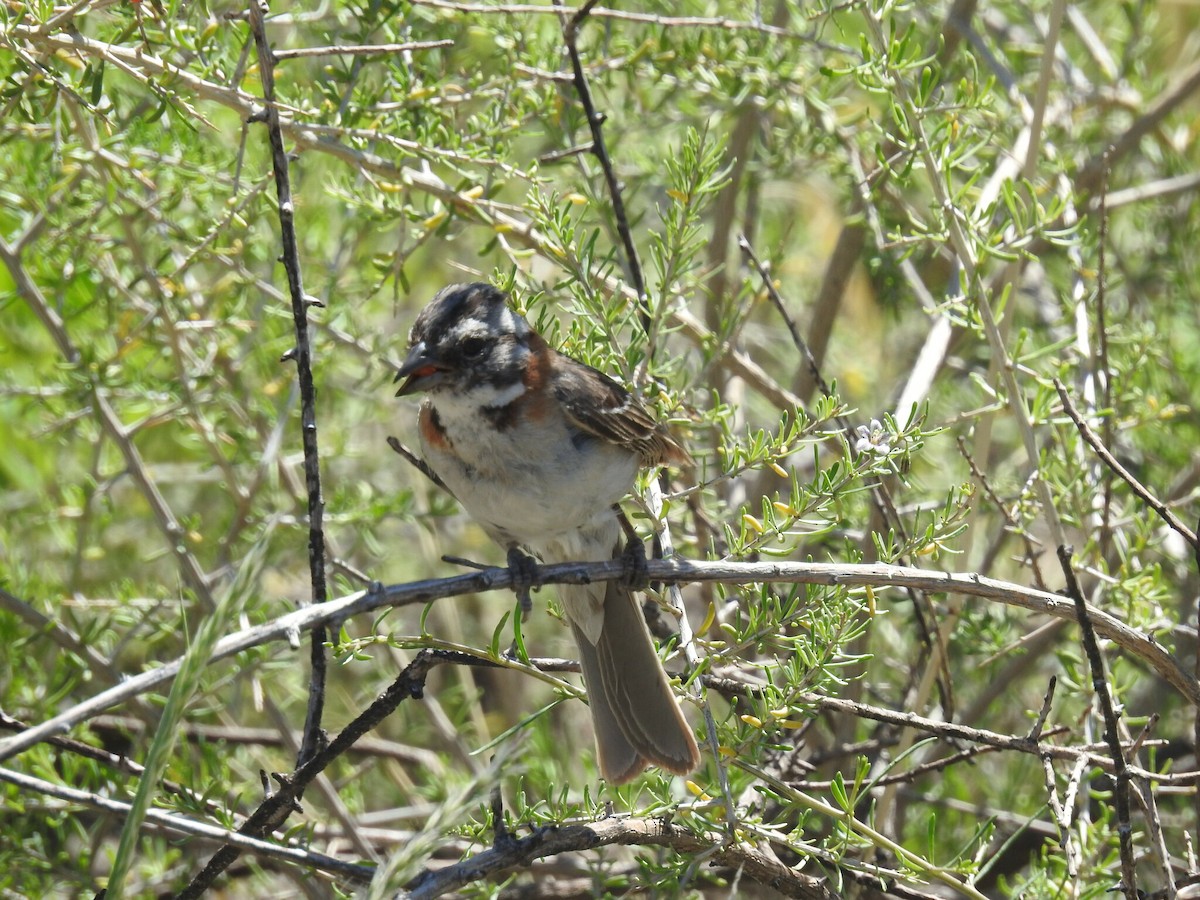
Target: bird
[539,449]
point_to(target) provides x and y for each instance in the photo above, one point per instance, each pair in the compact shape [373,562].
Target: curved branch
[675,571]
[641,832]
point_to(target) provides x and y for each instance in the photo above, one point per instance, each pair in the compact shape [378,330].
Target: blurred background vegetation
[943,193]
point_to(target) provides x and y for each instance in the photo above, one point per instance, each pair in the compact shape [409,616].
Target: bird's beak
[420,371]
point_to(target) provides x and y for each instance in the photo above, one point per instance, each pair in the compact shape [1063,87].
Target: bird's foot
[524,569]
[636,576]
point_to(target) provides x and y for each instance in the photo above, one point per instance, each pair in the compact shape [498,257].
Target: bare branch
[177,824]
[677,571]
[762,867]
[359,49]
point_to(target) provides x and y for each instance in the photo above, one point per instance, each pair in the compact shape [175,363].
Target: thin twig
[416,462]
[1121,776]
[359,49]
[179,824]
[599,150]
[1086,432]
[302,354]
[1031,552]
[117,762]
[1035,732]
[814,370]
[1158,109]
[1196,721]
[1154,190]
[1102,368]
[1062,818]
[1157,838]
[654,19]
[410,684]
[1045,77]
[847,251]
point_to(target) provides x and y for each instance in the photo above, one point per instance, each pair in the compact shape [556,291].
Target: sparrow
[539,449]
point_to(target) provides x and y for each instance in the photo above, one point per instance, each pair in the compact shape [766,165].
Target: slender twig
[1121,776]
[1045,77]
[182,825]
[1157,837]
[200,733]
[814,370]
[1031,552]
[313,736]
[953,732]
[1075,781]
[1196,720]
[59,634]
[416,462]
[916,772]
[410,684]
[1102,368]
[559,155]
[847,251]
[599,149]
[1086,432]
[660,21]
[1175,94]
[117,762]
[1195,726]
[1062,818]
[1153,190]
[1040,723]
[359,49]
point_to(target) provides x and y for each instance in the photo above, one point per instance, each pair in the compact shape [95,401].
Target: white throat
[462,412]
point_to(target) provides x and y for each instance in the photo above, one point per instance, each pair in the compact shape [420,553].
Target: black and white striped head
[465,339]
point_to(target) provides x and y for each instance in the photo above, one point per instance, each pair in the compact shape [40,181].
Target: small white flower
[872,439]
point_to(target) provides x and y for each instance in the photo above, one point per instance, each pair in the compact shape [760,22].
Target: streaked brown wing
[597,405]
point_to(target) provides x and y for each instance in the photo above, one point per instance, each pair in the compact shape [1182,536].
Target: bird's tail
[635,715]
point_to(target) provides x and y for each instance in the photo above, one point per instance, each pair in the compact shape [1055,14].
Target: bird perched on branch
[539,448]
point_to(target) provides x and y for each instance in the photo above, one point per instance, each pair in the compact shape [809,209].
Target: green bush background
[874,157]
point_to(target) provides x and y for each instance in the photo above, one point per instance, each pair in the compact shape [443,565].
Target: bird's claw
[524,571]
[636,576]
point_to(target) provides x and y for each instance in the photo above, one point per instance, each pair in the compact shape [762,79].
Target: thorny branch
[302,355]
[599,149]
[275,809]
[1112,736]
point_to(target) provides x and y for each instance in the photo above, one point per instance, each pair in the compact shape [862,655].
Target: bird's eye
[473,348]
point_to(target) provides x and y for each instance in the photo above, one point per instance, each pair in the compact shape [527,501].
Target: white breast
[535,483]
